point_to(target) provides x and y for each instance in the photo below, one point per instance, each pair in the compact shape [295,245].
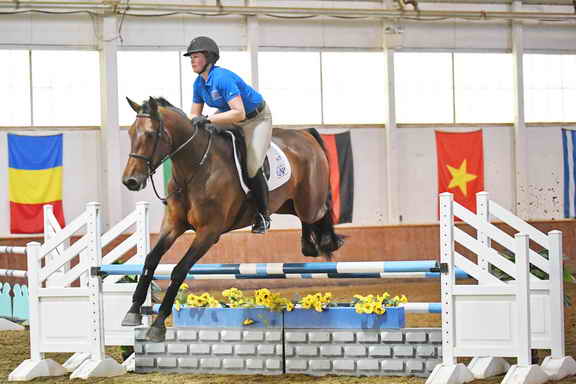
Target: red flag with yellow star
[460,165]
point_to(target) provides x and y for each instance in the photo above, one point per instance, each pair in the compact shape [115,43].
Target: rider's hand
[200,121]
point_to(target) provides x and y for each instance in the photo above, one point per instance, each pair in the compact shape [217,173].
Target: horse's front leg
[204,239]
[134,315]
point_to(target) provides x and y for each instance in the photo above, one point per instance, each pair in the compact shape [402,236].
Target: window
[549,88]
[290,84]
[67,93]
[15,95]
[423,87]
[236,61]
[353,87]
[144,74]
[483,87]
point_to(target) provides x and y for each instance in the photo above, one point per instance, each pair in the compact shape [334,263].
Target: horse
[205,193]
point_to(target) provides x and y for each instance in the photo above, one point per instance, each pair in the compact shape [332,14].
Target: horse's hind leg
[309,247]
[328,240]
[134,317]
[202,242]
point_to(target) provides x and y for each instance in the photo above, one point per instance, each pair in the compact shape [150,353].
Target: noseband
[149,160]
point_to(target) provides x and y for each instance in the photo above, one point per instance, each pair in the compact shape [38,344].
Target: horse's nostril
[131,183]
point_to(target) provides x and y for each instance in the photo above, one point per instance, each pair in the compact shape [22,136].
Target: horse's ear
[133,105]
[153,105]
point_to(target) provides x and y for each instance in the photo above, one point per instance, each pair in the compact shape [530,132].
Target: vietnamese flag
[460,165]
[339,152]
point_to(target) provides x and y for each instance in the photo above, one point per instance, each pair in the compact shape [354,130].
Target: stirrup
[262,224]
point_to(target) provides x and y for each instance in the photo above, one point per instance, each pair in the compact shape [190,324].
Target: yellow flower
[177,305]
[248,322]
[184,287]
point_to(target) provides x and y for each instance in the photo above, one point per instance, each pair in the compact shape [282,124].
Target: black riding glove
[200,121]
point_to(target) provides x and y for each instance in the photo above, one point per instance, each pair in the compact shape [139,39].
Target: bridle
[150,159]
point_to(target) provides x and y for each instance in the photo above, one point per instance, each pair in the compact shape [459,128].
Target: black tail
[328,240]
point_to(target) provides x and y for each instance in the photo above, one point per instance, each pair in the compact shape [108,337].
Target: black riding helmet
[205,45]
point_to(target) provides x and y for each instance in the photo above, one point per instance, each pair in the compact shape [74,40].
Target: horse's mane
[163,103]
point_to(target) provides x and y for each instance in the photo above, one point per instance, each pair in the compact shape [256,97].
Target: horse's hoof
[310,251]
[132,319]
[156,334]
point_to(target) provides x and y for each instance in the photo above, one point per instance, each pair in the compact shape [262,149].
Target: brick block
[273,336]
[253,336]
[166,362]
[415,337]
[431,364]
[392,365]
[187,335]
[245,349]
[222,349]
[170,335]
[439,352]
[403,351]
[145,362]
[331,350]
[138,349]
[392,336]
[368,337]
[435,336]
[414,366]
[306,350]
[296,365]
[209,335]
[344,365]
[280,349]
[425,351]
[233,363]
[319,337]
[273,364]
[231,335]
[355,350]
[155,348]
[295,337]
[210,363]
[186,362]
[320,365]
[344,337]
[177,348]
[266,349]
[368,365]
[289,350]
[199,349]
[254,364]
[140,334]
[379,351]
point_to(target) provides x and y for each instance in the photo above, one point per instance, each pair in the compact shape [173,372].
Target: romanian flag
[460,165]
[339,151]
[35,179]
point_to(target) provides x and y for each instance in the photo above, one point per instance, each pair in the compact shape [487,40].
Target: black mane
[163,103]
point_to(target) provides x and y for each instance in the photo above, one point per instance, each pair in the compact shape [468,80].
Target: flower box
[344,318]
[226,318]
[330,318]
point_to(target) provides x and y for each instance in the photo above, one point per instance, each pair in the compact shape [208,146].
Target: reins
[152,169]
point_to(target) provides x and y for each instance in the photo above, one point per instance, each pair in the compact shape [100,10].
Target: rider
[238,103]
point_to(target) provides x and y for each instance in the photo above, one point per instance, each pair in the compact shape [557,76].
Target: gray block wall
[402,352]
[354,352]
[210,350]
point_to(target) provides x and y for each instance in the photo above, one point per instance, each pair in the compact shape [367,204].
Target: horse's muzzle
[134,183]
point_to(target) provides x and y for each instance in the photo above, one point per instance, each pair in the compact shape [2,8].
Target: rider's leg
[258,134]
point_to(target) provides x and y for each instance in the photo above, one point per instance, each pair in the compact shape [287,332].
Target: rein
[149,160]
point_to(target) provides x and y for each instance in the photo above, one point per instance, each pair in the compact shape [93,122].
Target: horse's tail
[328,240]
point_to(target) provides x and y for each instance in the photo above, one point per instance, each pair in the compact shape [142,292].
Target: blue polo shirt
[221,87]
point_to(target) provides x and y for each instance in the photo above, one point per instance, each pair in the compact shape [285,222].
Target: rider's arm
[196,109]
[234,115]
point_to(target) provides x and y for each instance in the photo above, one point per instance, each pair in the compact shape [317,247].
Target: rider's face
[198,61]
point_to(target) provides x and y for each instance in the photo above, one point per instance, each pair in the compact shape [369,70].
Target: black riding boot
[259,189]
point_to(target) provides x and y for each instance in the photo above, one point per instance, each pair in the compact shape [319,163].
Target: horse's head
[150,142]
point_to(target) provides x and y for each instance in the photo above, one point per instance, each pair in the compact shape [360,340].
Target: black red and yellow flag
[461,165]
[339,150]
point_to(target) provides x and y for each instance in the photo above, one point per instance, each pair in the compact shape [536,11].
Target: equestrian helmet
[205,45]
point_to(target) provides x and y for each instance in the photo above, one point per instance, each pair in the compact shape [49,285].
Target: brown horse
[205,193]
